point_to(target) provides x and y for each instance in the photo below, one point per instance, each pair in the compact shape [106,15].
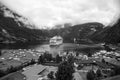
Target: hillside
[81,32]
[108,34]
[13,30]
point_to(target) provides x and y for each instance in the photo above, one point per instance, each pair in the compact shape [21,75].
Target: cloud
[47,13]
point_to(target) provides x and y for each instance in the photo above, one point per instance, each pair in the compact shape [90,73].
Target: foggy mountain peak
[19,19]
[46,14]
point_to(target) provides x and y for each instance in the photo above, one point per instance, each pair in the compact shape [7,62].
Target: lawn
[14,76]
[32,73]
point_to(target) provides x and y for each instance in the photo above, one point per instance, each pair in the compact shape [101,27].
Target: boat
[55,41]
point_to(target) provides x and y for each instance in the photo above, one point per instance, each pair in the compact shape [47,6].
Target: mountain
[14,28]
[81,32]
[110,34]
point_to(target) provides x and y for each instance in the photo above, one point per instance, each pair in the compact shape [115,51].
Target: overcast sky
[51,12]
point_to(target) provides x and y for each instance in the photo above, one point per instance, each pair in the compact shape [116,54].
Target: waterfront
[52,49]
[22,58]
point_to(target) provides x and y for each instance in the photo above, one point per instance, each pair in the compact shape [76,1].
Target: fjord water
[53,49]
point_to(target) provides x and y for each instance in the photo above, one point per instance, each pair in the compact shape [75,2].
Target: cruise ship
[56,40]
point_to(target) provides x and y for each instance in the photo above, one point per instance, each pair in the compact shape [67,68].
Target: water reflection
[54,49]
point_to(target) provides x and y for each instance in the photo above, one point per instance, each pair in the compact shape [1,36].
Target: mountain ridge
[13,30]
[109,35]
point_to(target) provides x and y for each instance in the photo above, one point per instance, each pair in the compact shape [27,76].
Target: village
[102,64]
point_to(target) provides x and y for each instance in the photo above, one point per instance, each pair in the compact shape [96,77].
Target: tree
[58,59]
[77,53]
[90,75]
[103,61]
[32,61]
[41,59]
[48,57]
[112,73]
[107,48]
[10,69]
[2,73]
[70,59]
[98,73]
[51,75]
[0,52]
[117,70]
[89,54]
[65,71]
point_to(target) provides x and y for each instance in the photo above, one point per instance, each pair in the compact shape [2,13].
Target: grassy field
[14,76]
[17,57]
[36,71]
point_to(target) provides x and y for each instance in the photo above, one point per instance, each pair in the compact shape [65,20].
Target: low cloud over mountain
[16,28]
[48,13]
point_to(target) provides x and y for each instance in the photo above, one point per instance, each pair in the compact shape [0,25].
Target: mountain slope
[13,30]
[108,34]
[81,32]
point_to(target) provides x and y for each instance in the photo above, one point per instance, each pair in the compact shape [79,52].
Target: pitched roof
[112,61]
[91,61]
[113,78]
